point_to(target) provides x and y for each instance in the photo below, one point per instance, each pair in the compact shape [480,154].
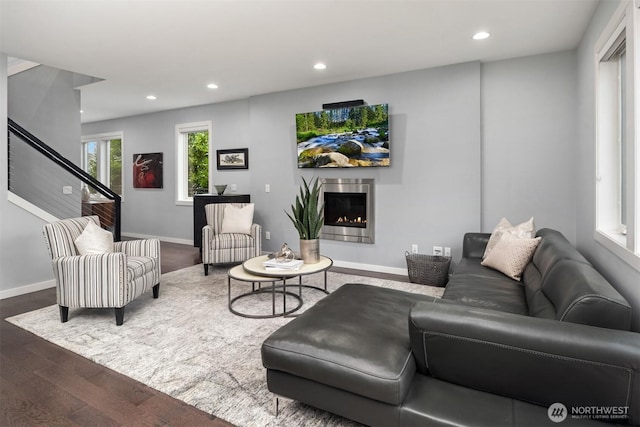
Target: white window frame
[103,141]
[623,241]
[182,159]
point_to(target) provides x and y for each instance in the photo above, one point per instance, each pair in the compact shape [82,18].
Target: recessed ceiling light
[319,66]
[151,97]
[481,35]
[212,86]
[81,111]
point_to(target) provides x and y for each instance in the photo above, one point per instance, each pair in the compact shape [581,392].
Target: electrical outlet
[267,235]
[67,189]
[233,188]
[414,249]
[437,250]
[447,251]
[267,188]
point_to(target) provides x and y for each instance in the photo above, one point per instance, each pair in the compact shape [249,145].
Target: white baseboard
[371,267]
[163,238]
[27,289]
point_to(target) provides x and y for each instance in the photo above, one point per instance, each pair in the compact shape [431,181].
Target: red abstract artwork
[147,170]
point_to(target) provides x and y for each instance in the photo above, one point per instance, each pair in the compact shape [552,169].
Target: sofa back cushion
[561,284]
[474,244]
[215,214]
[60,235]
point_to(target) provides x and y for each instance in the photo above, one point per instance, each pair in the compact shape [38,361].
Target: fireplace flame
[358,220]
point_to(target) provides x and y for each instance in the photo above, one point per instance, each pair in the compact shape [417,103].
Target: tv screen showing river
[344,137]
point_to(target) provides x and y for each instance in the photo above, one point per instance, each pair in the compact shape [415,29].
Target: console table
[199,216]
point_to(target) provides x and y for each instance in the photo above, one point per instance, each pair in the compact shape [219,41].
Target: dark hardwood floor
[42,384]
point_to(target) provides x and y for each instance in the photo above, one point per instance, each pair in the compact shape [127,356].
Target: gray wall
[44,101]
[622,275]
[153,212]
[529,141]
[429,194]
[470,143]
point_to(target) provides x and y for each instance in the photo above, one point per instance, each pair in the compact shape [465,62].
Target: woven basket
[428,269]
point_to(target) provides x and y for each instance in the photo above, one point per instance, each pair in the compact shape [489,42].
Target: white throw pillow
[237,220]
[94,240]
[511,255]
[525,230]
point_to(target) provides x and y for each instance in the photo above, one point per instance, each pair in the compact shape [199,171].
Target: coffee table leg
[325,280]
[273,298]
[229,290]
[284,295]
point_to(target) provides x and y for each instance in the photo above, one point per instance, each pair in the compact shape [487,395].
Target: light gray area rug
[188,345]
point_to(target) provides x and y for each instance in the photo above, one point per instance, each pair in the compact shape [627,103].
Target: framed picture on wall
[147,170]
[237,158]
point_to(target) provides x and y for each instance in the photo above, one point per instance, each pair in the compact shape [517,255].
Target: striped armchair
[223,248]
[106,280]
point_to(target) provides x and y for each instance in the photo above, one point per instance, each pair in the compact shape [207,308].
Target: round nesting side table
[254,271]
[240,274]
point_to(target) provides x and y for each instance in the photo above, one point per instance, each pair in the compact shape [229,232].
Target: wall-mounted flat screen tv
[344,137]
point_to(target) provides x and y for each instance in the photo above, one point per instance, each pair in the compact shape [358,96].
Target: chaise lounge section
[493,351]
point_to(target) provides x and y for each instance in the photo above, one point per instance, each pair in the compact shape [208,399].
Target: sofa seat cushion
[232,241]
[468,266]
[138,266]
[362,348]
[479,286]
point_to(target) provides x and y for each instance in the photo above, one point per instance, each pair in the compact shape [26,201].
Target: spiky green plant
[306,215]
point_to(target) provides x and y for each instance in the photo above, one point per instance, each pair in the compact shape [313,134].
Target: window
[193,163]
[617,130]
[102,159]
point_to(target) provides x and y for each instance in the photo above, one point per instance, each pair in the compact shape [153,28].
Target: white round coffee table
[253,270]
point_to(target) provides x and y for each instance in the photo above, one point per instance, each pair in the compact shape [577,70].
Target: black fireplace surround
[345,209]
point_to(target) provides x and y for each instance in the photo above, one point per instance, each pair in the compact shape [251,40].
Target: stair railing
[35,179]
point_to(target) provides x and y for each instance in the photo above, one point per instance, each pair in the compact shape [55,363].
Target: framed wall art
[237,158]
[147,170]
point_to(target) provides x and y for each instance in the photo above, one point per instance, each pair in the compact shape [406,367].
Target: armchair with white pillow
[92,271]
[230,235]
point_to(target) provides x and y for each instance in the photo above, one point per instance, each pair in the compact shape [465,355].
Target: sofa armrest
[538,360]
[81,280]
[256,233]
[143,247]
[474,244]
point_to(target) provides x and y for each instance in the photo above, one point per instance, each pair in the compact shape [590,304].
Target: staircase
[50,186]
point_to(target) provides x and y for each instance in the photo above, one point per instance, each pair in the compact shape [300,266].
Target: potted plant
[307,217]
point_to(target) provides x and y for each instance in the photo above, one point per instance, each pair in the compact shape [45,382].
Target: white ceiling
[173,48]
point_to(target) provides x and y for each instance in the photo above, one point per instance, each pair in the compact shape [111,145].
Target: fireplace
[348,209]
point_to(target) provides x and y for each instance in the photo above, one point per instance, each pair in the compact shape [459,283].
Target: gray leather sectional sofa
[491,352]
